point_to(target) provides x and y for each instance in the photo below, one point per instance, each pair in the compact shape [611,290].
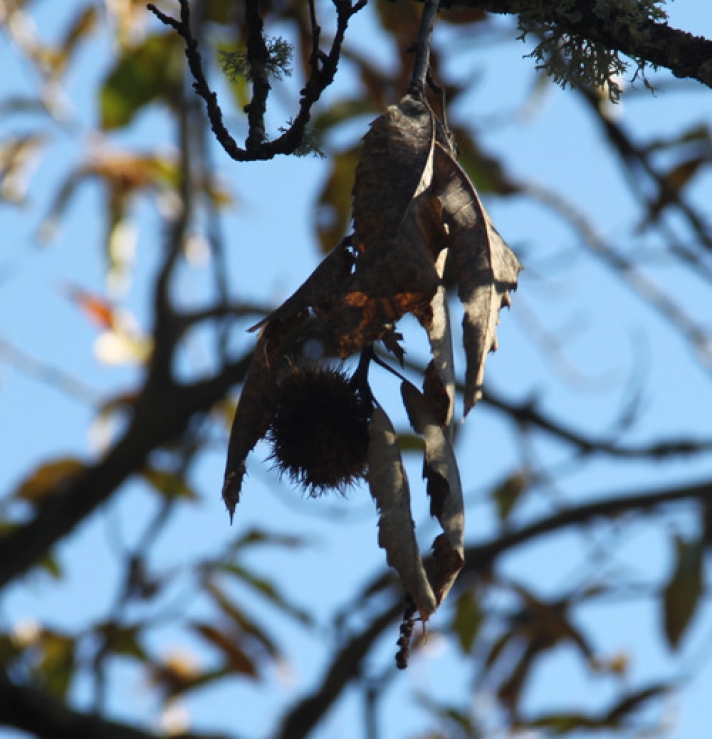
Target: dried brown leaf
[396,531]
[395,167]
[439,381]
[444,488]
[252,418]
[485,267]
[397,226]
[318,292]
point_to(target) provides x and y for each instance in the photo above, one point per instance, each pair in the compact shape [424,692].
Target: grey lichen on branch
[601,29]
[323,68]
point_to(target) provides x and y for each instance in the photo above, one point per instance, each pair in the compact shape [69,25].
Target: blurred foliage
[503,630]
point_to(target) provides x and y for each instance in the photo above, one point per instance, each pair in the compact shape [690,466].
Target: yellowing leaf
[18,155]
[467,620]
[168,484]
[56,666]
[49,479]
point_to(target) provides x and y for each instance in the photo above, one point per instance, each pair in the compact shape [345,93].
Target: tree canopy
[259,246]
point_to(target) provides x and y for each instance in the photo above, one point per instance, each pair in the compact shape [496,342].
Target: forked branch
[323,70]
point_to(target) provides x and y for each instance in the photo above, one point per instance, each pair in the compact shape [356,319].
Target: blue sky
[613,343]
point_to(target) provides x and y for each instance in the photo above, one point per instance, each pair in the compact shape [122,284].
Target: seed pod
[319,432]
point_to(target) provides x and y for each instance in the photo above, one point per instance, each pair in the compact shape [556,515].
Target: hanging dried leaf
[395,167]
[445,491]
[411,201]
[396,531]
[255,408]
[252,417]
[396,224]
[319,292]
[439,381]
[485,267]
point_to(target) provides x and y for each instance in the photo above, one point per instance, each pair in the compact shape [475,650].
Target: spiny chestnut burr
[319,431]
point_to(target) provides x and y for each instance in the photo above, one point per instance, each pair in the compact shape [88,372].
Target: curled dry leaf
[486,269]
[412,204]
[445,491]
[396,531]
[252,418]
[439,380]
[255,408]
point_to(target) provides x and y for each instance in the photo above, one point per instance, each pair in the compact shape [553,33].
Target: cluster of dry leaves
[412,206]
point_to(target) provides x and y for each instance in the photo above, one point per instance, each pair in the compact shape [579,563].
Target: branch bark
[159,416]
[346,666]
[482,555]
[33,710]
[682,53]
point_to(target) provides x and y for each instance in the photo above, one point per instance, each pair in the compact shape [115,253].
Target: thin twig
[697,335]
[421,47]
[257,59]
[323,71]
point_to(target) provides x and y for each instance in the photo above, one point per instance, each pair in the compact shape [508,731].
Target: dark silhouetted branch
[158,418]
[345,667]
[483,555]
[34,711]
[347,664]
[682,53]
[323,71]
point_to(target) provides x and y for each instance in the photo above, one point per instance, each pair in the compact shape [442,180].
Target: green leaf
[508,493]
[168,484]
[259,536]
[238,84]
[563,723]
[56,665]
[409,442]
[240,619]
[144,74]
[49,479]
[467,620]
[122,640]
[682,593]
[267,590]
[614,718]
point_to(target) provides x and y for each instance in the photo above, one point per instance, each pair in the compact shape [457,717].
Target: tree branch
[422,47]
[33,710]
[526,414]
[482,555]
[158,417]
[345,667]
[347,664]
[257,58]
[323,70]
[682,53]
